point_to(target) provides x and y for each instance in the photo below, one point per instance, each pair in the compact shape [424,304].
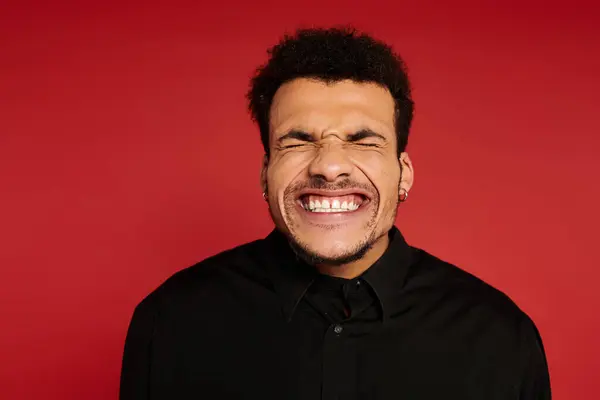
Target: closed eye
[368,136]
[368,144]
[296,135]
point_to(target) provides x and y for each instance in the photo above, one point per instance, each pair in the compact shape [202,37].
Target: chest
[261,355]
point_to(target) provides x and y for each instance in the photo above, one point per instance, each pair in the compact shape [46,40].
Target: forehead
[316,106]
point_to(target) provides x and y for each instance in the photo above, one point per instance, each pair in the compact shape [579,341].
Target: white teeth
[327,206]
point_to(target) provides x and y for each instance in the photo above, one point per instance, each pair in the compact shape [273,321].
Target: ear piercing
[403,195]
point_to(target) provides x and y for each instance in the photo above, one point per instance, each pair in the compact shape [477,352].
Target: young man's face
[333,174]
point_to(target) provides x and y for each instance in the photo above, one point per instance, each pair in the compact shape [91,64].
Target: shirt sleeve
[536,377]
[135,369]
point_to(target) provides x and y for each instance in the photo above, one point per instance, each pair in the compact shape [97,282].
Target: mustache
[321,184]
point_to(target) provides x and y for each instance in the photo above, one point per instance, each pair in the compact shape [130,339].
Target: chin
[319,251]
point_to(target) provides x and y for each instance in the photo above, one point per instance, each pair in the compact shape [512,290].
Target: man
[333,304]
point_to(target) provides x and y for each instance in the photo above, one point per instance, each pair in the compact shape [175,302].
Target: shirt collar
[387,275]
[292,277]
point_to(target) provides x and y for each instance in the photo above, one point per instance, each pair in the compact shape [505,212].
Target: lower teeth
[330,209]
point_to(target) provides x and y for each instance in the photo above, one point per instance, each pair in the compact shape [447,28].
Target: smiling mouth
[336,204]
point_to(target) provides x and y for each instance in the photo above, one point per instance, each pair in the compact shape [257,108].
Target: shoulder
[464,293]
[479,317]
[210,278]
[473,311]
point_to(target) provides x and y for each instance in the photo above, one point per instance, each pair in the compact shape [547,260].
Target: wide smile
[337,204]
[327,204]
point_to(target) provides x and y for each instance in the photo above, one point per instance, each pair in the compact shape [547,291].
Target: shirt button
[338,329]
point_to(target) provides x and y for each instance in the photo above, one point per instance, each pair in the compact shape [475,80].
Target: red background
[126,154]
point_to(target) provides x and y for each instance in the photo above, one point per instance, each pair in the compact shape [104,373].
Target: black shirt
[256,323]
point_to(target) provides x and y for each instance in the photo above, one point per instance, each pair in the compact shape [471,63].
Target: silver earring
[265,196]
[403,195]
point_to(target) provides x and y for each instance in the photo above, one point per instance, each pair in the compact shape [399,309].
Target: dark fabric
[256,323]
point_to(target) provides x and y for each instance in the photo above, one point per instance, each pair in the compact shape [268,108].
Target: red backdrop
[126,154]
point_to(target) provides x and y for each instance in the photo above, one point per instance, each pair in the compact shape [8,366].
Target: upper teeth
[334,206]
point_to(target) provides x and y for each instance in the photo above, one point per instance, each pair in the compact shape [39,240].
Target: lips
[319,203]
[328,202]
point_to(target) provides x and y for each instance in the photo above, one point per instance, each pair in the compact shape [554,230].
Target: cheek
[284,170]
[382,170]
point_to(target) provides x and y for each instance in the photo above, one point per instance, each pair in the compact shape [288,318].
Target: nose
[330,163]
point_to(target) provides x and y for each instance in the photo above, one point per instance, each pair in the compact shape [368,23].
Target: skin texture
[314,147]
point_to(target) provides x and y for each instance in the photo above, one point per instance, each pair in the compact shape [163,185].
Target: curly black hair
[331,55]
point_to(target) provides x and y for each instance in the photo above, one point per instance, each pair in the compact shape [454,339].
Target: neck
[356,268]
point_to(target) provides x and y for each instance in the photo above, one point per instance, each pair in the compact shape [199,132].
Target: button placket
[337,363]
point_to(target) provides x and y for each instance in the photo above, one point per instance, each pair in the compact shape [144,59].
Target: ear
[263,173]
[407,177]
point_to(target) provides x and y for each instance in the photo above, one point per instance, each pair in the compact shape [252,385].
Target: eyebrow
[363,134]
[296,134]
[353,137]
